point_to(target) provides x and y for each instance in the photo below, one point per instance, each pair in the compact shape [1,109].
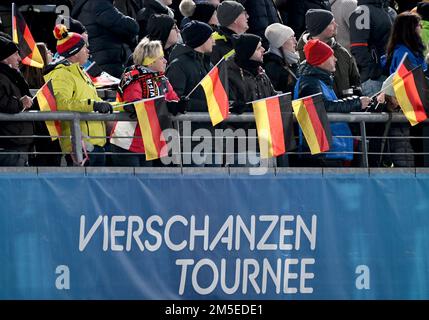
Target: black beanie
[195,33]
[159,27]
[316,20]
[7,48]
[423,10]
[203,12]
[245,46]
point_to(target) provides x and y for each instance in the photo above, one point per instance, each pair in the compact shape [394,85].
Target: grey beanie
[316,20]
[228,11]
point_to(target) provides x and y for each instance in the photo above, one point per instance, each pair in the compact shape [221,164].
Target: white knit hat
[277,34]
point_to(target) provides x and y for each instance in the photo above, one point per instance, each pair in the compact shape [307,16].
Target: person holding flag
[143,80]
[316,77]
[248,82]
[46,145]
[15,97]
[405,52]
[74,91]
[189,63]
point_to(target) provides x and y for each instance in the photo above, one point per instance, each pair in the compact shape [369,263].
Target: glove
[131,110]
[102,107]
[374,106]
[178,107]
[238,107]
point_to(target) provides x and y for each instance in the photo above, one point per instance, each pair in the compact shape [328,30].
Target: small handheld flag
[274,123]
[153,119]
[311,115]
[21,35]
[215,86]
[46,98]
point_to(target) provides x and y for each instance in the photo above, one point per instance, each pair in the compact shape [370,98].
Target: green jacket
[74,91]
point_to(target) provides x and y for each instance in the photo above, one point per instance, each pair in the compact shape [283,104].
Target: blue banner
[214,236]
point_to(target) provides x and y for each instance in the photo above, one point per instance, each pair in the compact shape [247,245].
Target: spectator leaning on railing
[14,98]
[74,91]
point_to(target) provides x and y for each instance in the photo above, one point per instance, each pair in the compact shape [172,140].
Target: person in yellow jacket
[74,91]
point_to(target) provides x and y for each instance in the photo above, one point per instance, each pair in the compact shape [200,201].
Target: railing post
[364,145]
[177,123]
[76,139]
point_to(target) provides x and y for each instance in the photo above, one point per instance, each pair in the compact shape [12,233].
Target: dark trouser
[125,158]
[11,158]
[97,158]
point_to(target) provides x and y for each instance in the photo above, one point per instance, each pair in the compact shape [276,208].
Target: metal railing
[198,117]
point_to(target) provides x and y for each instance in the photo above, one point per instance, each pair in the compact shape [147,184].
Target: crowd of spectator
[343,49]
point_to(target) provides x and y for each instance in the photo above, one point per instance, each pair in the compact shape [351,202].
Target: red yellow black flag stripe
[311,115]
[274,123]
[215,88]
[21,35]
[47,102]
[153,118]
[411,89]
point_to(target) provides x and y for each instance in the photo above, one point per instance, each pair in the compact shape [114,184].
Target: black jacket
[282,76]
[186,69]
[247,84]
[309,84]
[12,88]
[223,43]
[368,37]
[297,10]
[110,33]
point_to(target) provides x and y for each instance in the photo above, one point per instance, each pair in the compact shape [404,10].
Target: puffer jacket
[247,84]
[370,25]
[309,84]
[12,88]
[74,91]
[186,69]
[111,34]
[346,74]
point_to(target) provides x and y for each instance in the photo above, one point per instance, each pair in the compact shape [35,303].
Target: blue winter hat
[195,33]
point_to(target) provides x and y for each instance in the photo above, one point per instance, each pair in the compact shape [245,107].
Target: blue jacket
[399,53]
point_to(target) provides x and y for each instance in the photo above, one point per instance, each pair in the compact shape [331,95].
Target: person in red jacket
[145,79]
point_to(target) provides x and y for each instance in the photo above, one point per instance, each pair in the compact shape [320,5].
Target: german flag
[215,89]
[411,89]
[313,120]
[21,35]
[274,123]
[153,118]
[46,98]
